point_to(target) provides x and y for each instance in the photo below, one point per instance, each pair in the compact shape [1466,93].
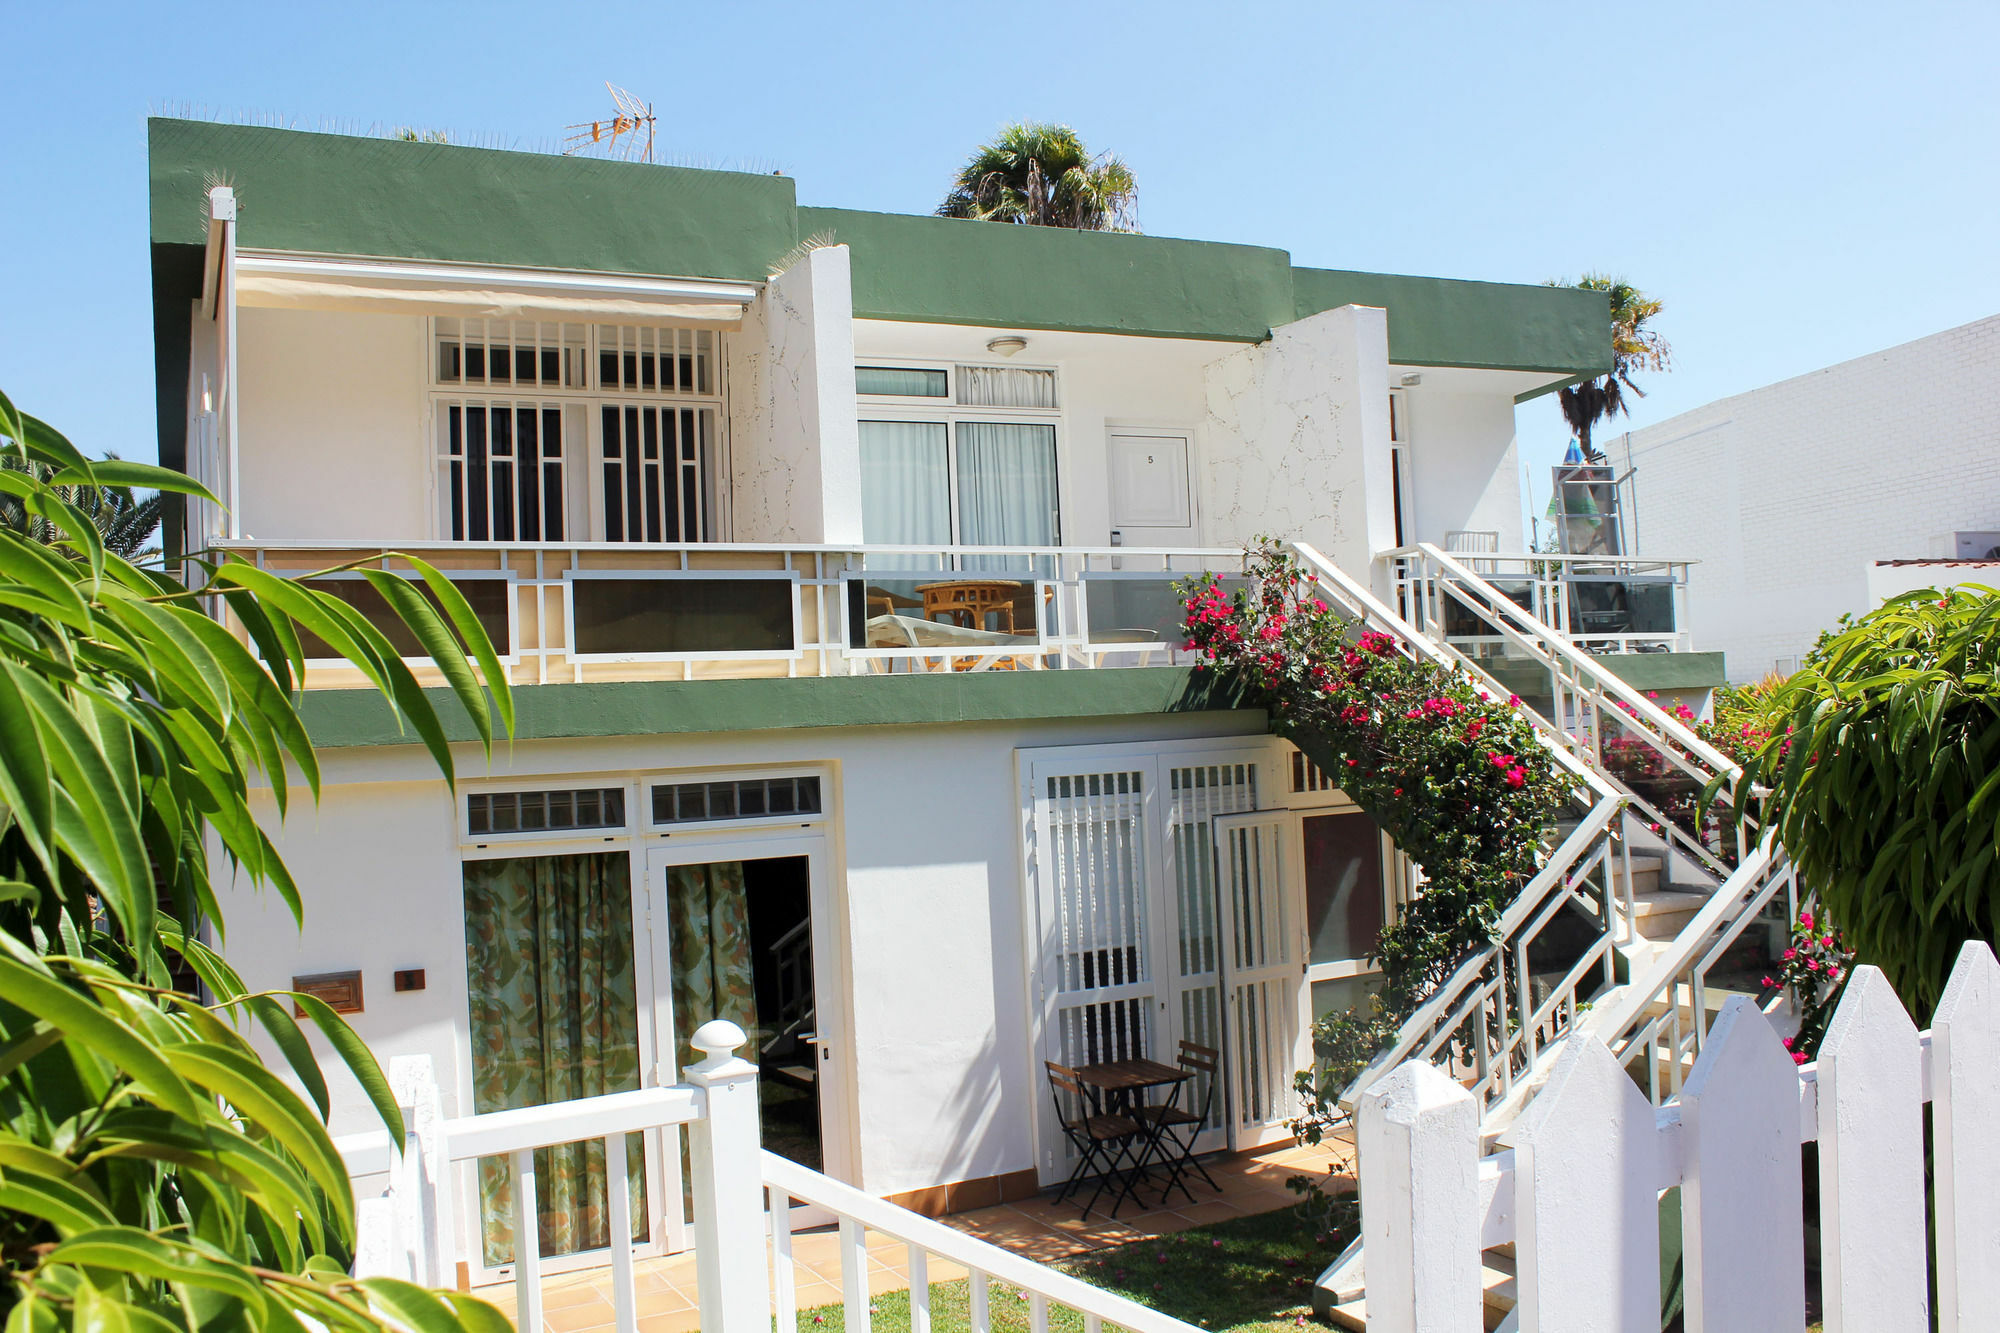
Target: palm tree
[126,521]
[1042,175]
[1634,347]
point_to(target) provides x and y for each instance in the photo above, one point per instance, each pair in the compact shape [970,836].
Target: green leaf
[473,633]
[77,1017]
[143,1254]
[292,1043]
[360,1061]
[251,1089]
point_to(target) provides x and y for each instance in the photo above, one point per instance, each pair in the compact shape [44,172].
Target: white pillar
[1419,1143]
[725,1147]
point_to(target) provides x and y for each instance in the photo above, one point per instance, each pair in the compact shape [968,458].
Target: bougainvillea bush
[1813,968]
[1459,779]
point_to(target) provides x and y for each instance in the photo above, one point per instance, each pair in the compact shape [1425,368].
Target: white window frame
[583,460]
[512,657]
[791,576]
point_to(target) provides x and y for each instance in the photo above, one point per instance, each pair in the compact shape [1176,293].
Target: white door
[1267,1008]
[1152,503]
[1127,941]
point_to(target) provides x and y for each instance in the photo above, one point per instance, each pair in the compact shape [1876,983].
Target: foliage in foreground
[1041,175]
[1883,765]
[1459,780]
[154,1174]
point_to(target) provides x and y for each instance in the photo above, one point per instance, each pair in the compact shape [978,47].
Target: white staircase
[1677,907]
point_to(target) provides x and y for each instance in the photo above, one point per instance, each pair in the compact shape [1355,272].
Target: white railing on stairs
[1578,1193]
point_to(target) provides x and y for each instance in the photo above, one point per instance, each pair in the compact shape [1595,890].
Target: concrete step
[1496,1277]
[1659,914]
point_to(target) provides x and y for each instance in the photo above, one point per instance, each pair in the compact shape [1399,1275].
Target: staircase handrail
[1553,641]
[1423,1023]
[1361,603]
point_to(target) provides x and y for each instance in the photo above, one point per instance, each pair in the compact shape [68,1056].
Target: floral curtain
[708,918]
[548,952]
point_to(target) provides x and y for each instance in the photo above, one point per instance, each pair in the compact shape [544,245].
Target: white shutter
[1263,959]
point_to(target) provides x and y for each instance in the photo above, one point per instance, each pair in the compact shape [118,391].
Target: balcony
[571,612]
[1603,604]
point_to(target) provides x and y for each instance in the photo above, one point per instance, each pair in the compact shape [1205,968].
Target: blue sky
[1802,184]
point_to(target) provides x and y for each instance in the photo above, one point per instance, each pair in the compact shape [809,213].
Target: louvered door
[1266,1003]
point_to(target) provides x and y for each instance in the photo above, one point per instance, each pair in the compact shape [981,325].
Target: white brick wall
[1787,494]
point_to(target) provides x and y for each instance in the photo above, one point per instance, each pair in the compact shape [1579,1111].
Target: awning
[485,292]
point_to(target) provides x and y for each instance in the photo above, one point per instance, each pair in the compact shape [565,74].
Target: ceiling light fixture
[1006,346]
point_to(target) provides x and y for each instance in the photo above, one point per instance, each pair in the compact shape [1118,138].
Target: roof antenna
[621,135]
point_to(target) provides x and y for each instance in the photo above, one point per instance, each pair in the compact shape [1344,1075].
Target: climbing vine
[1457,778]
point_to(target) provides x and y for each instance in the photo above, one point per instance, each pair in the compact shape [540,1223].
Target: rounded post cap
[717,1038]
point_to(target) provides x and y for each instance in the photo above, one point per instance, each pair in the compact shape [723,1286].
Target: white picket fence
[1577,1192]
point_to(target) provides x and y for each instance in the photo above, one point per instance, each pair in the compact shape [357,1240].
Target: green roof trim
[1642,671]
[346,718]
[949,271]
[1485,325]
[341,194]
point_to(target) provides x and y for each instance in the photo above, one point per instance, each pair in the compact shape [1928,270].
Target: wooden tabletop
[1131,1075]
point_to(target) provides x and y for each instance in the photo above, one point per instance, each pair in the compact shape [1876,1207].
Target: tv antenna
[627,135]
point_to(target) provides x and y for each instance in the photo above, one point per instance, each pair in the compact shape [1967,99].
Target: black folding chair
[1164,1123]
[1102,1142]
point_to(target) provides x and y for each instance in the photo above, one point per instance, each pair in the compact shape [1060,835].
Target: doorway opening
[779,894]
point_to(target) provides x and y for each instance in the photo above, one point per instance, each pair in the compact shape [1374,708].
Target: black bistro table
[1123,1085]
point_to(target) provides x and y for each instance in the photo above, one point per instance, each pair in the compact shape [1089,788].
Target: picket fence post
[1965,1112]
[1742,1238]
[726,1153]
[1418,1136]
[1871,1164]
[1586,1196]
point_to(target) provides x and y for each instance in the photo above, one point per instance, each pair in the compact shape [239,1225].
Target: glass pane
[682,615]
[1007,484]
[1006,386]
[905,484]
[1339,994]
[488,597]
[1344,904]
[554,1010]
[1140,610]
[901,383]
[926,611]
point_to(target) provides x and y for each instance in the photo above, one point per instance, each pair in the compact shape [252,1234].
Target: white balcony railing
[611,611]
[1603,604]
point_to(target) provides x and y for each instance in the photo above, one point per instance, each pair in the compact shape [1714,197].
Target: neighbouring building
[836,581]
[1791,495]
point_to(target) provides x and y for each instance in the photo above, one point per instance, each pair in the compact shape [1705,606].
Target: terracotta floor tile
[578,1318]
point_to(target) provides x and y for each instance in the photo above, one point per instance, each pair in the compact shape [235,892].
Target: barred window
[748,798]
[545,811]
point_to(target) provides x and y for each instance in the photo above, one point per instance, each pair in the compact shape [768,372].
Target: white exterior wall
[1788,494]
[795,450]
[1466,475]
[332,417]
[1298,439]
[926,854]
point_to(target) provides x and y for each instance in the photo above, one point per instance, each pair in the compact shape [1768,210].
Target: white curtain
[1006,486]
[905,484]
[1005,386]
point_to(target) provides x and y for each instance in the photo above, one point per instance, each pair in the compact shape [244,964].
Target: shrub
[1883,770]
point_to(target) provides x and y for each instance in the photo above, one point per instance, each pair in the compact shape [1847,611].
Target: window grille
[1005,386]
[517,353]
[656,462]
[545,811]
[500,470]
[1308,776]
[636,360]
[745,798]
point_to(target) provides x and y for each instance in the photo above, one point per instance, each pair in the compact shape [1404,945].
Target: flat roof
[391,198]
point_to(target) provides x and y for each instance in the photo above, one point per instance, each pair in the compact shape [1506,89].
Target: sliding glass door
[970,483]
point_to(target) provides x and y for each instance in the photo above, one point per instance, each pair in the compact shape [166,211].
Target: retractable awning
[483,292]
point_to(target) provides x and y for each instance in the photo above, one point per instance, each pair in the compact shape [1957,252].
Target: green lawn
[1252,1274]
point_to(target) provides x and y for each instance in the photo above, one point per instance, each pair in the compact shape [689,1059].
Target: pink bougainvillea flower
[1789,954]
[1832,972]
[1769,984]
[1812,964]
[1806,920]
[1516,776]
[1513,701]
[1798,1057]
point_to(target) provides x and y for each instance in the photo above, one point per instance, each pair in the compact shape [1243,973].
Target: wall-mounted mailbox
[340,990]
[411,978]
